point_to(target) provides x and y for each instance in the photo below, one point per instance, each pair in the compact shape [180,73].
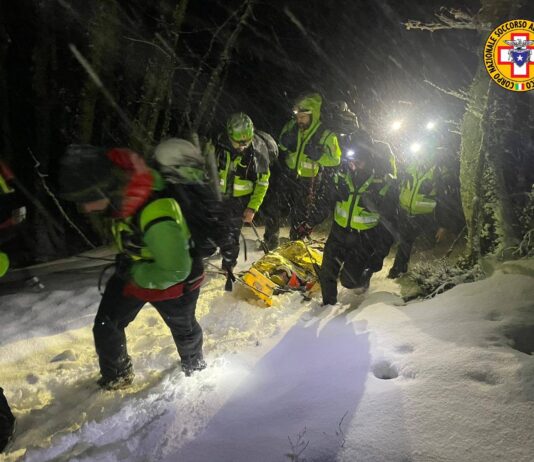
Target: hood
[312,102]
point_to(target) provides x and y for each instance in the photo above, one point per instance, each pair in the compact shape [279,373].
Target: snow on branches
[450,18]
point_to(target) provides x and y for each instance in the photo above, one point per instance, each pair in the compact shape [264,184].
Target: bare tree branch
[450,19]
[460,94]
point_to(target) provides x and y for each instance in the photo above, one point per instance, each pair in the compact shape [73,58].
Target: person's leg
[7,421]
[378,241]
[179,315]
[300,208]
[114,313]
[355,262]
[333,258]
[407,236]
[270,209]
[373,247]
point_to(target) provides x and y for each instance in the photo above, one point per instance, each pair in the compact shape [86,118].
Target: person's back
[155,263]
[186,176]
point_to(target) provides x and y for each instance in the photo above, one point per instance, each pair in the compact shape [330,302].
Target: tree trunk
[216,75]
[481,150]
[472,160]
[104,43]
[156,100]
[502,131]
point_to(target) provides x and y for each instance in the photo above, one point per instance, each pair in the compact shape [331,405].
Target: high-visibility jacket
[243,173]
[418,190]
[351,212]
[306,151]
[158,242]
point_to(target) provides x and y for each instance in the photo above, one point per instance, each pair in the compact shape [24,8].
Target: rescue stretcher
[293,266]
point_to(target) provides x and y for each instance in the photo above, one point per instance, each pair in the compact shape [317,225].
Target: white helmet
[180,161]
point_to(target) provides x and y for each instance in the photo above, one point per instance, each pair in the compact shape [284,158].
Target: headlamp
[396,125]
[415,147]
[300,110]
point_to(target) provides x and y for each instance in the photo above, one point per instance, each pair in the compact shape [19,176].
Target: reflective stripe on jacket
[351,212]
[297,143]
[411,199]
[247,174]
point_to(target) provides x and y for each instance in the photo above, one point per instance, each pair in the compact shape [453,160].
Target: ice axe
[262,242]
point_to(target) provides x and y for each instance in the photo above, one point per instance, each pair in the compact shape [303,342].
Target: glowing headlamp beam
[415,147]
[396,125]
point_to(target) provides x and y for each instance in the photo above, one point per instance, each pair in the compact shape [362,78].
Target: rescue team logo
[508,55]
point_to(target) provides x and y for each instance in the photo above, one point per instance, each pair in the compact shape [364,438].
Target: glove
[314,151]
[123,263]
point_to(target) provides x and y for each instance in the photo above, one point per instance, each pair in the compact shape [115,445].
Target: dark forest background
[178,68]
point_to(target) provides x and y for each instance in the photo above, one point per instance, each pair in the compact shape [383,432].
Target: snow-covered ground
[374,379]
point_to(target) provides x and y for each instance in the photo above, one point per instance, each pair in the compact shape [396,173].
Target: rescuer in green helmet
[242,157]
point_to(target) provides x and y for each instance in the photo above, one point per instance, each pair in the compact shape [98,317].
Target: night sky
[352,50]
[357,51]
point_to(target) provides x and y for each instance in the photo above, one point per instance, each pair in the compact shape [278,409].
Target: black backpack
[338,118]
[272,145]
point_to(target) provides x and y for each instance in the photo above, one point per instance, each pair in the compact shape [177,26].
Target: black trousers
[303,200]
[233,208]
[116,311]
[7,421]
[409,229]
[348,253]
[273,209]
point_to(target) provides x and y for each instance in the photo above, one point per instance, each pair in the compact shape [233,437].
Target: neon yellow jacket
[305,151]
[243,174]
[415,179]
[157,239]
[351,211]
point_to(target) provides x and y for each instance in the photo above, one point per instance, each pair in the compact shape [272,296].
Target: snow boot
[271,243]
[124,380]
[363,282]
[193,366]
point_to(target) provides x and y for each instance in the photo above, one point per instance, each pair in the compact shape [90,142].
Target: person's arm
[331,154]
[260,189]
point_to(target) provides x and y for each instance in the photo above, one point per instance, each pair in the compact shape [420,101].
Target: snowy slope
[369,380]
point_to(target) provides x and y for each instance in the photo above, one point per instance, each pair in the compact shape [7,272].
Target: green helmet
[240,128]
